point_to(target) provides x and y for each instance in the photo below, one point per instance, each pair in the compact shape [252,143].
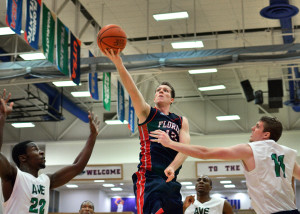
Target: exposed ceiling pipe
[282,10]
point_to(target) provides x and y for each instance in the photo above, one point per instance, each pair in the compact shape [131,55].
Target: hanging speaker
[259,99]
[275,92]
[248,90]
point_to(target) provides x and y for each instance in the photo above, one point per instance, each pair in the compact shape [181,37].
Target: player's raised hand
[94,123]
[5,107]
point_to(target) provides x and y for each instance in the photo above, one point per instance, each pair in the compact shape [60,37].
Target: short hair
[272,125]
[172,89]
[210,181]
[19,149]
[87,201]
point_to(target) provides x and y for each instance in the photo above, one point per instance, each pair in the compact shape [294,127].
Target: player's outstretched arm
[184,138]
[5,109]
[8,171]
[141,108]
[237,152]
[67,173]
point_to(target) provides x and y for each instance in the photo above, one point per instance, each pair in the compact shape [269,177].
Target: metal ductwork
[282,10]
[57,99]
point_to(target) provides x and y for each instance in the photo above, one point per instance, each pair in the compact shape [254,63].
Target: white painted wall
[70,200]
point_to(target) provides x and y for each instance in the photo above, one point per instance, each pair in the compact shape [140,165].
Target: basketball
[111,37]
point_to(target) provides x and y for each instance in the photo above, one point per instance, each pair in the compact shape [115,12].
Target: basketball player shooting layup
[155,183]
[25,191]
[268,166]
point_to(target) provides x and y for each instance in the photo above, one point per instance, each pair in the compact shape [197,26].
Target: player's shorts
[154,195]
[288,212]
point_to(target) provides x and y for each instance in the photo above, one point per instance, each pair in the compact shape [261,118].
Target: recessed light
[229,186]
[71,185]
[64,83]
[115,122]
[23,125]
[211,88]
[185,183]
[187,44]
[32,56]
[190,187]
[225,182]
[116,189]
[81,94]
[228,117]
[108,185]
[203,71]
[170,16]
[99,181]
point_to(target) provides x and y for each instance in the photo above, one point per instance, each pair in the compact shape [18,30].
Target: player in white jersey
[204,203]
[269,167]
[25,191]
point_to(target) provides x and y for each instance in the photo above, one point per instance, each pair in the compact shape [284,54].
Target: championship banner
[62,48]
[121,103]
[48,33]
[93,83]
[14,15]
[32,27]
[106,91]
[75,59]
[131,116]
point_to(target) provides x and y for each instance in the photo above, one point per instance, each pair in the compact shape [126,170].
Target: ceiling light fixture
[225,182]
[7,31]
[228,117]
[115,122]
[116,189]
[23,125]
[203,71]
[229,186]
[32,56]
[64,83]
[190,187]
[81,94]
[108,185]
[187,44]
[71,185]
[211,88]
[99,181]
[171,16]
[184,183]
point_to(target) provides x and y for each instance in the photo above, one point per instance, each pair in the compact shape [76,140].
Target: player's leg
[172,202]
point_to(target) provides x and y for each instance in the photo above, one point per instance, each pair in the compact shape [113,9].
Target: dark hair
[272,125]
[172,89]
[210,181]
[87,201]
[19,149]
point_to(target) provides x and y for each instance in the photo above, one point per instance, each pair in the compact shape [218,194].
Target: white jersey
[213,206]
[270,183]
[120,208]
[29,195]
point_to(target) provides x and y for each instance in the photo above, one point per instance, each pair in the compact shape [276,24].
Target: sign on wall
[219,168]
[105,172]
